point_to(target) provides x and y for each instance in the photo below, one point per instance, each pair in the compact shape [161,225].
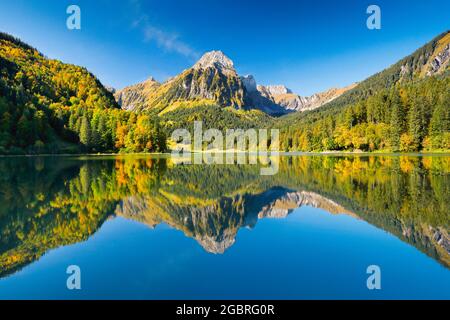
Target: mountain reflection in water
[49,202]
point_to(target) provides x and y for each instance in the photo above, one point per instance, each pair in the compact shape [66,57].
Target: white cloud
[168,41]
[165,40]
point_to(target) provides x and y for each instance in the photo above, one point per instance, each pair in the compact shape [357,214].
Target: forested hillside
[431,59]
[212,115]
[47,106]
[403,108]
[409,117]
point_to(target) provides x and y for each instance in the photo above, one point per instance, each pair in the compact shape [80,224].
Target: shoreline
[282,153]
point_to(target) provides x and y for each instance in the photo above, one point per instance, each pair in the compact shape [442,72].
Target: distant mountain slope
[403,108]
[133,97]
[291,102]
[184,114]
[431,59]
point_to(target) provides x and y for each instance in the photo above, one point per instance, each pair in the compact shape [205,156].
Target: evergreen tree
[397,122]
[85,132]
[23,131]
[417,121]
[440,123]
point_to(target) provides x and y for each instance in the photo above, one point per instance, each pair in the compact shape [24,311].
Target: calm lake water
[150,228]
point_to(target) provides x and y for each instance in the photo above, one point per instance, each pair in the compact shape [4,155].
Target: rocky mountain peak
[214,59]
[150,79]
[275,89]
[249,83]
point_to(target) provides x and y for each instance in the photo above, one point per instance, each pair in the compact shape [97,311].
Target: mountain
[402,108]
[133,97]
[433,59]
[291,102]
[37,97]
[213,79]
[47,106]
[256,99]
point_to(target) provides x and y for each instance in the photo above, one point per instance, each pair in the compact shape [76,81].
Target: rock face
[319,99]
[292,102]
[432,59]
[249,83]
[440,61]
[216,60]
[215,79]
[111,89]
[288,101]
[273,90]
[441,237]
[133,97]
[257,98]
[212,78]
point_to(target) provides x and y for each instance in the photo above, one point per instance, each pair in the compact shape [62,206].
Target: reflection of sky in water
[309,254]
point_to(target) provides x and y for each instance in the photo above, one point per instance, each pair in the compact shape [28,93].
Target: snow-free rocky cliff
[213,77]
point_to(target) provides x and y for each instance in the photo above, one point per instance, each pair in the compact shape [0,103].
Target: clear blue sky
[308,45]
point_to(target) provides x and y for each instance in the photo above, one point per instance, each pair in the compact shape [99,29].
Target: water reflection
[51,202]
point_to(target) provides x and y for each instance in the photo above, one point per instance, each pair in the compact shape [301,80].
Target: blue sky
[308,45]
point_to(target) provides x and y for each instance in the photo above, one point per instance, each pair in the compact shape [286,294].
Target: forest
[408,117]
[404,108]
[47,106]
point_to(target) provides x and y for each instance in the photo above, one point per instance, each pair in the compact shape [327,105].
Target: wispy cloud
[168,41]
[165,40]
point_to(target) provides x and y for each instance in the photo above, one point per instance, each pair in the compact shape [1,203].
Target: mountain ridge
[214,78]
[292,102]
[402,108]
[276,100]
[403,70]
[47,106]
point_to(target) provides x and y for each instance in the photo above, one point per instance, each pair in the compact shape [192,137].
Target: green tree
[417,122]
[85,132]
[440,123]
[397,121]
[24,133]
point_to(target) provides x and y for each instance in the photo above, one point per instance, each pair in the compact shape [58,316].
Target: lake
[148,227]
